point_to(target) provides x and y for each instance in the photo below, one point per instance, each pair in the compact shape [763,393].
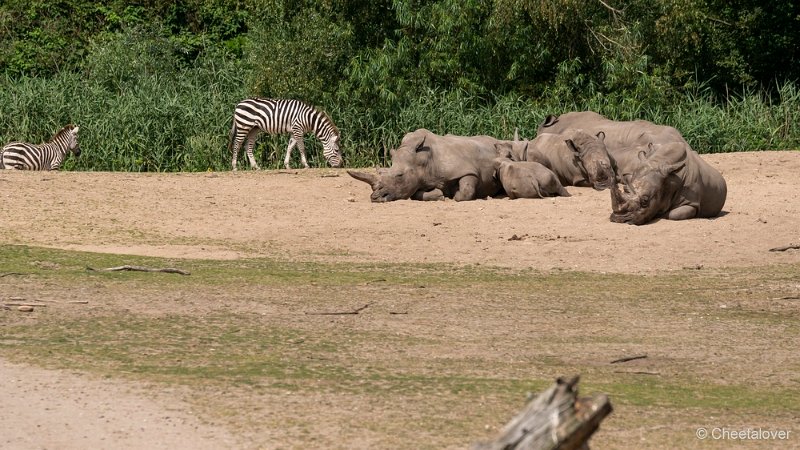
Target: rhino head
[649,190]
[591,156]
[406,176]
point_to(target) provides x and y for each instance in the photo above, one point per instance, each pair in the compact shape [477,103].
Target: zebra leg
[234,154]
[292,143]
[297,135]
[302,148]
[250,143]
[237,144]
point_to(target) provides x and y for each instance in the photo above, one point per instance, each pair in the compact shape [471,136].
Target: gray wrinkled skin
[575,156]
[671,182]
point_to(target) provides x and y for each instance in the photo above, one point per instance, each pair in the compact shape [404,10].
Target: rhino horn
[369,178]
[516,134]
[616,199]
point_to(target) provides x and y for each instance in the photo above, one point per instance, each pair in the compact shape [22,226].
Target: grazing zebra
[279,116]
[47,156]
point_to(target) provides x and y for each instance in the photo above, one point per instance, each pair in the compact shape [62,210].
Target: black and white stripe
[47,156]
[280,116]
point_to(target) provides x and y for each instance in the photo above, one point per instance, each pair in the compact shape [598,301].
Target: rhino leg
[428,196]
[682,213]
[467,186]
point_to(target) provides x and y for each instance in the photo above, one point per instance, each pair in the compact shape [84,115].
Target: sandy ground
[55,409]
[324,215]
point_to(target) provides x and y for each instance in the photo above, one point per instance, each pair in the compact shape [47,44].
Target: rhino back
[551,151]
[454,157]
[619,134]
[569,120]
[704,186]
[525,179]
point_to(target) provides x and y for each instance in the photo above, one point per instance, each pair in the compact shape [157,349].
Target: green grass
[182,124]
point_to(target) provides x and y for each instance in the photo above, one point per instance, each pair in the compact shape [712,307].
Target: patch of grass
[435,339]
[702,394]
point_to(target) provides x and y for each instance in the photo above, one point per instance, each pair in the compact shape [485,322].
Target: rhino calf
[525,179]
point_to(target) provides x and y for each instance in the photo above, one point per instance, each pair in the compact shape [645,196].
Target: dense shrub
[153,84]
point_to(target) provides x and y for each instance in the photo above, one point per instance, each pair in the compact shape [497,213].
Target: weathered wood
[555,419]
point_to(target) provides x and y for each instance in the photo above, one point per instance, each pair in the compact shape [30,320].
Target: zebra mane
[61,132]
[330,121]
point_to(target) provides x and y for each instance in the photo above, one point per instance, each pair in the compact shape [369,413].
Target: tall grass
[140,110]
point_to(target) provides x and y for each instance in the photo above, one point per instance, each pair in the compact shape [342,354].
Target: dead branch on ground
[628,358]
[139,269]
[785,247]
[342,313]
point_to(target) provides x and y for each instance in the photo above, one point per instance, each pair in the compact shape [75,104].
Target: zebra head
[330,149]
[73,143]
[67,139]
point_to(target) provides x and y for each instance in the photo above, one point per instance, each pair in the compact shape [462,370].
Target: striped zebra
[47,156]
[279,116]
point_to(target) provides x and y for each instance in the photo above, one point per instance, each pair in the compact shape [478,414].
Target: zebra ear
[75,130]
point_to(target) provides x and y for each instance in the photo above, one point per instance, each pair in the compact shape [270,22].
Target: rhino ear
[601,135]
[421,146]
[571,146]
[550,120]
[644,155]
[668,169]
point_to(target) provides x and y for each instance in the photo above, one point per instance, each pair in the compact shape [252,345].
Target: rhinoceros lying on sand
[622,138]
[576,157]
[525,179]
[619,134]
[672,182]
[425,164]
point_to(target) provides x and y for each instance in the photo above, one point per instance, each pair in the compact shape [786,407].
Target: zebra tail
[231,137]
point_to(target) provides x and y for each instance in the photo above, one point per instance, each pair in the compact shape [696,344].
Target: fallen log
[555,419]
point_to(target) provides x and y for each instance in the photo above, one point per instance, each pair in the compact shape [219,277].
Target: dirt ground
[324,215]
